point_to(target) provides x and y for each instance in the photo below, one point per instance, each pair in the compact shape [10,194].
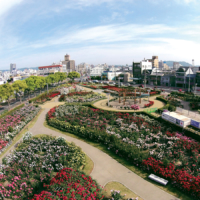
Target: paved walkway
[107,169]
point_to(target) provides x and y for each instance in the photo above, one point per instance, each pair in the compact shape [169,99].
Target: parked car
[141,86]
[127,84]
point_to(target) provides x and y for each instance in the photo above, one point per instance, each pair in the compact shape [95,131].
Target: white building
[51,69]
[145,65]
[97,70]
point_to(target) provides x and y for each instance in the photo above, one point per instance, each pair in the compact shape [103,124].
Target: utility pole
[189,81]
[156,76]
[145,78]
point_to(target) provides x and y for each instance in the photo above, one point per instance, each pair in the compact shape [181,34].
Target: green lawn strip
[169,188]
[88,166]
[21,133]
[120,187]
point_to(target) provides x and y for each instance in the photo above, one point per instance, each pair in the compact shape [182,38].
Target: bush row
[11,111]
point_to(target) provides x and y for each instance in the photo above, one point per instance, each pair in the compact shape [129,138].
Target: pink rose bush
[34,164]
[11,125]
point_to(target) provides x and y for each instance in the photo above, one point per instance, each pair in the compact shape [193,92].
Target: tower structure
[69,64]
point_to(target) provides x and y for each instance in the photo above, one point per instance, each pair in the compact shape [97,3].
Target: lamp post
[189,81]
[195,88]
[108,95]
[156,76]
[119,81]
[149,93]
[145,78]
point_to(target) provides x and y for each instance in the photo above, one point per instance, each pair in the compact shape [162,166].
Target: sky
[39,32]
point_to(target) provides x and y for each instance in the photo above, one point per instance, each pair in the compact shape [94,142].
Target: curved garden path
[107,169]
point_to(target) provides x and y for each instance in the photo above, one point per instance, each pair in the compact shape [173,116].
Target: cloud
[105,34]
[5,5]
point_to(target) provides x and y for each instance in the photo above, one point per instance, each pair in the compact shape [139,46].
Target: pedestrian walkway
[107,169]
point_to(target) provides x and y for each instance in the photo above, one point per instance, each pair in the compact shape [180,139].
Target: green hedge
[162,99]
[168,106]
[11,111]
[128,151]
[51,90]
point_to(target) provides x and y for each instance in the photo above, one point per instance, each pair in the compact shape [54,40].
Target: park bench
[158,179]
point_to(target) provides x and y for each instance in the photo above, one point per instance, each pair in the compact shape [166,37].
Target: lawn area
[123,190]
[89,166]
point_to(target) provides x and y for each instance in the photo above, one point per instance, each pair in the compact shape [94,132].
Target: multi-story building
[139,68]
[12,67]
[176,65]
[163,65]
[68,64]
[51,69]
[154,61]
[198,78]
[183,76]
[97,70]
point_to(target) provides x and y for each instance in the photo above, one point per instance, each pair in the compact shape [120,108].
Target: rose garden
[47,167]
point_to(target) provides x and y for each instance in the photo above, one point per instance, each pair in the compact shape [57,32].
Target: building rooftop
[50,66]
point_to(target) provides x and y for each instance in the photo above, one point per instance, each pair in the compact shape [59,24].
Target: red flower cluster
[51,112]
[112,88]
[3,143]
[149,104]
[153,93]
[54,94]
[180,177]
[93,86]
[71,184]
[78,93]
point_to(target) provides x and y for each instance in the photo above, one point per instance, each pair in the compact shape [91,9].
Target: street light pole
[156,76]
[195,88]
[145,78]
[189,81]
[149,93]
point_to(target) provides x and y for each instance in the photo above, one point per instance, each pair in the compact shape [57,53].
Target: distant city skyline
[98,31]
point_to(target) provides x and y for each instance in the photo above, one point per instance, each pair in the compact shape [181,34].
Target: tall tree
[49,80]
[7,92]
[19,88]
[42,82]
[62,76]
[30,81]
[73,75]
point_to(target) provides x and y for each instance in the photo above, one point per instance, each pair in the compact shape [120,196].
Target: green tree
[31,83]
[19,88]
[50,80]
[73,75]
[41,82]
[62,76]
[7,91]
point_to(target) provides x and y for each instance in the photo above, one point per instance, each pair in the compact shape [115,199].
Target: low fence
[151,110]
[188,113]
